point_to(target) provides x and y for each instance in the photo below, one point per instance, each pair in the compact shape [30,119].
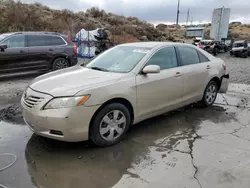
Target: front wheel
[110,125]
[210,94]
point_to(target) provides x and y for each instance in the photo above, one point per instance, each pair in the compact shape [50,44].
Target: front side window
[118,59]
[17,41]
[54,41]
[36,40]
[188,55]
[165,58]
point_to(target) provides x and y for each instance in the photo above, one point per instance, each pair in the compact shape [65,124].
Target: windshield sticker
[144,51]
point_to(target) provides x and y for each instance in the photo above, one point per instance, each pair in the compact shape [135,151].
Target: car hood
[70,81]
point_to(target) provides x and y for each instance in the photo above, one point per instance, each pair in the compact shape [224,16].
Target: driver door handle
[178,74]
[208,67]
[21,51]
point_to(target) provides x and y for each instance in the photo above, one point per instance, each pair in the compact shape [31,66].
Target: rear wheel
[60,63]
[110,125]
[210,94]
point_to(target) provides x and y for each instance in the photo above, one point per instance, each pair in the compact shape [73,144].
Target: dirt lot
[191,147]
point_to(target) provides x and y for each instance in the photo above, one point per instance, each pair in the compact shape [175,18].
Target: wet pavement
[192,147]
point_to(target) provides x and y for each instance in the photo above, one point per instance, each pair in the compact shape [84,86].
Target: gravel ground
[239,68]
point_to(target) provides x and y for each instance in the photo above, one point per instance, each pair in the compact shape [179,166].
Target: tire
[105,130]
[245,54]
[215,51]
[208,100]
[60,63]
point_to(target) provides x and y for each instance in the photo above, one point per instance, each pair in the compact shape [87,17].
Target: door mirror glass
[3,47]
[151,69]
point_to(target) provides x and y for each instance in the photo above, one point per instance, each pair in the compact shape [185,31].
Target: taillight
[224,66]
[75,46]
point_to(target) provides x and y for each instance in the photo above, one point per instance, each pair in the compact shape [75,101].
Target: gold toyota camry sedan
[120,87]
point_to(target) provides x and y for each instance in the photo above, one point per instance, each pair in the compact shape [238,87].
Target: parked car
[122,86]
[213,47]
[196,41]
[241,49]
[204,44]
[32,51]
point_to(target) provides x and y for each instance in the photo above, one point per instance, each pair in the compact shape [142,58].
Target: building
[196,32]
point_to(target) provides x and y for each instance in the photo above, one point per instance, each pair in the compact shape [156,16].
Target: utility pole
[178,12]
[187,17]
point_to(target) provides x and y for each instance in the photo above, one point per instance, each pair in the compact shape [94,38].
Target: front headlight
[66,102]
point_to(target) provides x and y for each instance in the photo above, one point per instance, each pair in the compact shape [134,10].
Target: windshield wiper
[99,68]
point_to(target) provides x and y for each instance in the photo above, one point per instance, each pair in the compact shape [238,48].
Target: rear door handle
[21,51]
[178,74]
[208,67]
[51,50]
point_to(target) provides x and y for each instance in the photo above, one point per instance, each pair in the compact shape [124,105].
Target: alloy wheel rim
[61,64]
[112,125]
[211,94]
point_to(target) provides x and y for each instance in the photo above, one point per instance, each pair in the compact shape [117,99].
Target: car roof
[149,44]
[34,33]
[206,40]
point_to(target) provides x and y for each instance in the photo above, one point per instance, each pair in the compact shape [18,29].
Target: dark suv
[33,51]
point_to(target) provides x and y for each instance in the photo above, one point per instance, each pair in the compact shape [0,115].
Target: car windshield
[238,44]
[3,36]
[120,59]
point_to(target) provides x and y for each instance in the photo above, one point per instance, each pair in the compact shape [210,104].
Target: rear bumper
[224,83]
[73,60]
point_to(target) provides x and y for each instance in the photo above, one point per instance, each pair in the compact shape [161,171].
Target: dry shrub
[17,16]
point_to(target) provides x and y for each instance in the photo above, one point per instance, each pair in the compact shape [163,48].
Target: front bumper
[224,83]
[66,124]
[236,53]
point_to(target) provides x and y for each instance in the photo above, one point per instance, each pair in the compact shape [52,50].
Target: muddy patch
[12,113]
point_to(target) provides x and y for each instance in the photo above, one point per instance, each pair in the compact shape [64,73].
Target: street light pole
[178,12]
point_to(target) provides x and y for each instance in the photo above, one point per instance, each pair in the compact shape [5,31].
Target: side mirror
[3,47]
[151,69]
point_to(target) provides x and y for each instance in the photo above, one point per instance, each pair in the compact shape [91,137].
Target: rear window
[54,41]
[202,57]
[36,40]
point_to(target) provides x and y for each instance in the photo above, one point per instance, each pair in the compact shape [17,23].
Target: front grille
[32,101]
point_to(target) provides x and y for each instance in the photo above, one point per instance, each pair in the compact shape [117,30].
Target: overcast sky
[158,11]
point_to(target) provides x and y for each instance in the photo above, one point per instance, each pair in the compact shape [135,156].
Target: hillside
[16,16]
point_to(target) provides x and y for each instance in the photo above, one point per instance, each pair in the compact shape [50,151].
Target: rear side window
[54,41]
[188,55]
[165,58]
[17,41]
[202,57]
[36,40]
